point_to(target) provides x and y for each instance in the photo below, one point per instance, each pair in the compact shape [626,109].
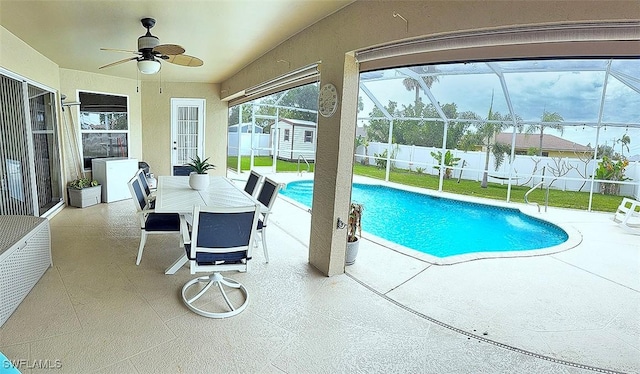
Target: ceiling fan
[150,52]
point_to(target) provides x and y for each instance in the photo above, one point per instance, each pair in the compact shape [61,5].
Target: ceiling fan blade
[184,60]
[168,49]
[118,62]
[119,50]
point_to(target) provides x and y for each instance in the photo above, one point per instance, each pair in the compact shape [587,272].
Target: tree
[624,141]
[378,129]
[234,114]
[546,117]
[424,133]
[303,97]
[605,151]
[485,134]
[411,84]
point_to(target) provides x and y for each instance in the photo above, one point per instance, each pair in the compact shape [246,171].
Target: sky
[572,88]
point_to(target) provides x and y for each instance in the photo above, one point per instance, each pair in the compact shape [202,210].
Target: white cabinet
[113,174]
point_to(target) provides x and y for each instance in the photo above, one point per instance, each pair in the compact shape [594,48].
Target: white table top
[175,196]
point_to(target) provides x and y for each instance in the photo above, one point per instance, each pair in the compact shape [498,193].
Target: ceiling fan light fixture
[148,66]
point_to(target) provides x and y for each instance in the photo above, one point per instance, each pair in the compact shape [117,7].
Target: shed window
[286,134]
[308,136]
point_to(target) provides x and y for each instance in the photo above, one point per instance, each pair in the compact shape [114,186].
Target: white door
[187,130]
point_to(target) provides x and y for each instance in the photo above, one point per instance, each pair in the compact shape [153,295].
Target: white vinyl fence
[261,144]
[570,173]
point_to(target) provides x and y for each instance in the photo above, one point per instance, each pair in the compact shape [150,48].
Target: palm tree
[546,117]
[488,131]
[485,135]
[411,84]
[625,140]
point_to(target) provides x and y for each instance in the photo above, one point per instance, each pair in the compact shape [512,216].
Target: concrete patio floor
[581,305]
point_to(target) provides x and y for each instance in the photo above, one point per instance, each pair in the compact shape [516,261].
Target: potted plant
[84,192]
[354,229]
[199,179]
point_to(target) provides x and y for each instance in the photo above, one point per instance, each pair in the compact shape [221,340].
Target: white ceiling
[226,34]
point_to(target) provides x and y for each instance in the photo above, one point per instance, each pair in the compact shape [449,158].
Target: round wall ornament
[327,100]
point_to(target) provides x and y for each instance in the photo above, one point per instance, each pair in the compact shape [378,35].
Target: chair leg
[218,280]
[204,289]
[264,245]
[143,240]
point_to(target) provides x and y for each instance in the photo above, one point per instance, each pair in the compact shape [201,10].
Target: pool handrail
[306,162]
[546,199]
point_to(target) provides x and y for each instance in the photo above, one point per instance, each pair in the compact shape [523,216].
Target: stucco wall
[18,57]
[156,111]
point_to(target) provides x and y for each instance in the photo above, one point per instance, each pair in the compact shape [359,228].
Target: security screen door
[187,131]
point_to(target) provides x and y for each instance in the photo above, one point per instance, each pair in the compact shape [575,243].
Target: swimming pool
[439,226]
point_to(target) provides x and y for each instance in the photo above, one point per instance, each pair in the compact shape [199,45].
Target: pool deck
[580,305]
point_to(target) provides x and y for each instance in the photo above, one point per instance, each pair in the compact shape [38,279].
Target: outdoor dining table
[174,195]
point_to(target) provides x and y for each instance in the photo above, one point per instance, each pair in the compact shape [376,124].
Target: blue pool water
[438,226]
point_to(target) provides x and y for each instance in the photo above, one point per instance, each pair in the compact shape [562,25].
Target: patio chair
[151,222]
[151,198]
[182,170]
[627,215]
[252,183]
[221,240]
[266,197]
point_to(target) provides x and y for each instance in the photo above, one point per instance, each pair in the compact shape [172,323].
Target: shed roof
[298,122]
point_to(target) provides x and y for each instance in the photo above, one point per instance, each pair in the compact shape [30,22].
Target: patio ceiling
[226,35]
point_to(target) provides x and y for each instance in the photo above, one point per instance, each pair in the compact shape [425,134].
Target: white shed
[296,137]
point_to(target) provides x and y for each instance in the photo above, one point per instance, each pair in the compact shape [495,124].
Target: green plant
[381,159]
[80,183]
[613,171]
[449,162]
[419,170]
[355,222]
[200,166]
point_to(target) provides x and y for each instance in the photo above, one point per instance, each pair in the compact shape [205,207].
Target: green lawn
[281,165]
[557,198]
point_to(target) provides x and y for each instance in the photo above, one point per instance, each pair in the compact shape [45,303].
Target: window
[104,126]
[276,125]
[308,136]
